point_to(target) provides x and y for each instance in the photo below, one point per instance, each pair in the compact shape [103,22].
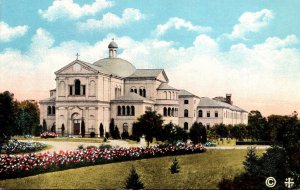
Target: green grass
[197,171]
[64,139]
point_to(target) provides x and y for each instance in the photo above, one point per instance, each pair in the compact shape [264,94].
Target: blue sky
[249,48]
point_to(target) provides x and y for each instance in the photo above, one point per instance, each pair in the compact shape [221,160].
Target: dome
[112,44]
[116,66]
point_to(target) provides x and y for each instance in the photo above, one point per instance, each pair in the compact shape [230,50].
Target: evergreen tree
[125,135]
[53,128]
[82,128]
[195,133]
[111,126]
[133,181]
[203,134]
[175,166]
[251,162]
[116,133]
[63,129]
[101,129]
[44,125]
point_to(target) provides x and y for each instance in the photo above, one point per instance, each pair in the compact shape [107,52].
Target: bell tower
[112,49]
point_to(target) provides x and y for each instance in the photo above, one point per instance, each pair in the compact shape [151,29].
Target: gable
[77,67]
[162,77]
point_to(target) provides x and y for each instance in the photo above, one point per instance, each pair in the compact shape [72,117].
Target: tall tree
[7,116]
[195,133]
[63,129]
[111,126]
[221,130]
[44,125]
[116,133]
[101,129]
[151,123]
[257,126]
[203,134]
[82,128]
[238,131]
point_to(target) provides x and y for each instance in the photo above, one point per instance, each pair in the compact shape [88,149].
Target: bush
[125,135]
[92,134]
[48,135]
[15,147]
[105,146]
[135,138]
[80,147]
[107,135]
[175,166]
[133,181]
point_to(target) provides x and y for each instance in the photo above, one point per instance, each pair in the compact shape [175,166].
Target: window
[169,111]
[49,110]
[119,110]
[207,126]
[144,92]
[172,112]
[125,127]
[53,110]
[123,110]
[131,90]
[127,110]
[83,89]
[186,126]
[132,110]
[165,95]
[165,112]
[71,90]
[216,114]
[208,114]
[186,101]
[186,113]
[200,113]
[141,92]
[135,91]
[77,87]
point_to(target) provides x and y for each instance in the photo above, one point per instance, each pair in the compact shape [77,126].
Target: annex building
[113,88]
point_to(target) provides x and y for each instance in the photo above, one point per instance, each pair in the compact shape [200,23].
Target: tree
[53,128]
[136,130]
[221,130]
[195,133]
[133,181]
[251,162]
[173,133]
[116,133]
[44,125]
[7,116]
[82,128]
[175,168]
[63,129]
[203,134]
[238,131]
[257,126]
[101,129]
[125,134]
[37,130]
[151,125]
[111,126]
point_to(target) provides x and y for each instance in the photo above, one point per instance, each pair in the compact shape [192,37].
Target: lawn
[64,139]
[198,171]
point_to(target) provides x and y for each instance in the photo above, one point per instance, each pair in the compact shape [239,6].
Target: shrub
[175,166]
[105,146]
[105,139]
[80,147]
[133,181]
[135,138]
[48,135]
[15,147]
[107,135]
[92,134]
[125,135]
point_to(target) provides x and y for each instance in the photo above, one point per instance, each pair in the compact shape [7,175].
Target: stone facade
[114,88]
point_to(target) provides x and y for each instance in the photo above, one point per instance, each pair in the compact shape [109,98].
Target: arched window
[200,113]
[135,91]
[127,110]
[116,92]
[170,96]
[141,92]
[77,87]
[92,88]
[165,95]
[123,110]
[169,111]
[49,110]
[208,114]
[131,90]
[173,97]
[186,126]
[144,92]
[132,110]
[172,112]
[119,110]
[186,113]
[176,112]
[53,110]
[165,111]
[125,127]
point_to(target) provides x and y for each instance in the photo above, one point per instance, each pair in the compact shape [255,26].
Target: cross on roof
[77,55]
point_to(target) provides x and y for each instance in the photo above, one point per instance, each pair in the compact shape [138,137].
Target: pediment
[163,77]
[77,67]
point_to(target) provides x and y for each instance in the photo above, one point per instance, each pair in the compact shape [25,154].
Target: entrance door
[76,127]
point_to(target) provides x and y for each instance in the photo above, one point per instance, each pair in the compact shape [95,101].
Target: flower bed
[48,135]
[31,164]
[15,147]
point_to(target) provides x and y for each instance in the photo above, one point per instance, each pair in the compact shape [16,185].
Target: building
[114,88]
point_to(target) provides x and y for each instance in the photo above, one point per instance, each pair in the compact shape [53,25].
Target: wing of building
[114,88]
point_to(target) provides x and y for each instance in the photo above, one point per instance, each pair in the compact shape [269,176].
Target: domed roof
[112,44]
[116,66]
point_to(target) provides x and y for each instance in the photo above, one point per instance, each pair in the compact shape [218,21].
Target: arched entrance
[76,121]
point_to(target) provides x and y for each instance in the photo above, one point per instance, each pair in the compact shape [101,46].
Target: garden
[16,147]
[36,163]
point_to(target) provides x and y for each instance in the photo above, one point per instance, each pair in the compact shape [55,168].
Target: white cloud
[178,24]
[251,22]
[110,20]
[8,33]
[68,9]
[264,76]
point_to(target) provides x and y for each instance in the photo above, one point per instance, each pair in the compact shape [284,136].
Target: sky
[249,48]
